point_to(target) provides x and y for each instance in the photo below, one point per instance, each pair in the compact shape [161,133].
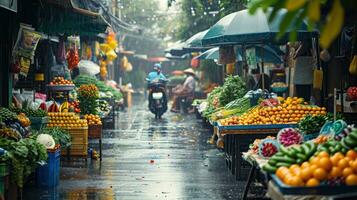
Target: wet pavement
[144,158]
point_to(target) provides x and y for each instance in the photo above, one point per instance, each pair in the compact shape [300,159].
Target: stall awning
[63,16]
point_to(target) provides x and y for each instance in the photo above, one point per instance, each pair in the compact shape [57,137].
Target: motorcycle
[157,98]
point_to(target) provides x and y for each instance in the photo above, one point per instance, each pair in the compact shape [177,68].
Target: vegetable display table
[238,138]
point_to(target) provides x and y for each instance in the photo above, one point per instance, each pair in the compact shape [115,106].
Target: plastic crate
[95,131]
[37,123]
[48,175]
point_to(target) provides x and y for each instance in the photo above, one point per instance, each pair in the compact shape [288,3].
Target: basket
[48,174]
[95,131]
[79,142]
[37,123]
[279,89]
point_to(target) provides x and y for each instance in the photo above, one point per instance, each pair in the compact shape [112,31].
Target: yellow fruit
[312,182]
[320,174]
[351,179]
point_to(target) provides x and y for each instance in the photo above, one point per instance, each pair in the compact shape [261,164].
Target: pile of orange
[93,119]
[290,110]
[65,120]
[320,168]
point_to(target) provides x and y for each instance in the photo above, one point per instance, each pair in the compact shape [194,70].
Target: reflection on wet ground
[146,158]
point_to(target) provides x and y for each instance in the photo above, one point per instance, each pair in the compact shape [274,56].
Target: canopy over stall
[65,17]
[177,49]
[243,28]
[194,43]
[267,53]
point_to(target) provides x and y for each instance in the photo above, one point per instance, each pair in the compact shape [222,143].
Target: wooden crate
[95,131]
[79,145]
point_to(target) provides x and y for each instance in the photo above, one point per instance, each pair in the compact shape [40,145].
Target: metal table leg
[238,159]
[248,183]
[100,148]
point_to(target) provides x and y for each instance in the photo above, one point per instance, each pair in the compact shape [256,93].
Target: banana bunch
[64,107]
[353,66]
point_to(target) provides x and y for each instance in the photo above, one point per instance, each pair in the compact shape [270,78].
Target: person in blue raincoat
[156,74]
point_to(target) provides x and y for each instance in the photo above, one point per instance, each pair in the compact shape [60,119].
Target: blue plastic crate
[48,175]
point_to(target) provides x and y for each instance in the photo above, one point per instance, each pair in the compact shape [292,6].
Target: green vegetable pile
[213,102]
[6,114]
[23,157]
[30,112]
[61,136]
[84,80]
[312,124]
[233,88]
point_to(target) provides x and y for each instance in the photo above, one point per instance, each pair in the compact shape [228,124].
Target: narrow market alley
[148,159]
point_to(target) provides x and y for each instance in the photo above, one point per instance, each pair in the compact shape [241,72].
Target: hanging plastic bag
[87,67]
[318,78]
[353,66]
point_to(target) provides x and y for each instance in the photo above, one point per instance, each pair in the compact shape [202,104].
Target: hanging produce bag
[353,66]
[226,55]
[318,78]
[230,68]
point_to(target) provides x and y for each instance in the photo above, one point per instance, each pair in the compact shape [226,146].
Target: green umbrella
[266,52]
[243,28]
[195,42]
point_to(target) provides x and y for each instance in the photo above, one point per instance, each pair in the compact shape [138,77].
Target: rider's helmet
[157,67]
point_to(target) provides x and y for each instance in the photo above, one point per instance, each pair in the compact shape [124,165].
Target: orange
[323,154]
[320,174]
[296,171]
[347,171]
[353,164]
[281,172]
[351,179]
[325,163]
[343,163]
[339,155]
[312,182]
[334,160]
[293,166]
[287,178]
[313,167]
[315,160]
[335,172]
[351,154]
[306,174]
[305,164]
[296,181]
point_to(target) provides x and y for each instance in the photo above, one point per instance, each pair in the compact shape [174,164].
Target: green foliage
[233,88]
[24,157]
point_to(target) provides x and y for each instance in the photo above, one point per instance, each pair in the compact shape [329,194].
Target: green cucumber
[353,135]
[283,159]
[306,148]
[284,150]
[279,154]
[344,145]
[272,162]
[301,156]
[343,150]
[299,161]
[297,149]
[349,142]
[270,169]
[283,164]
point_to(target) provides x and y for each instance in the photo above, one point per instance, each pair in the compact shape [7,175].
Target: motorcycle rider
[156,81]
[156,74]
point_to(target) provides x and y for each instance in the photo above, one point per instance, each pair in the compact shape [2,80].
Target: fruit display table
[237,139]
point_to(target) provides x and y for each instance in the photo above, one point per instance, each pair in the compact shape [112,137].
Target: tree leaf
[333,26]
[313,12]
[286,22]
[294,4]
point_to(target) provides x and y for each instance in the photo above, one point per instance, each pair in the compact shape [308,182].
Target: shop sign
[9,4]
